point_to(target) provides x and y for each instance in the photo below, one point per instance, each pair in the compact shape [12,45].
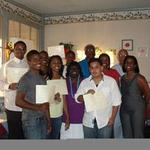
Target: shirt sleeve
[22,85]
[115,94]
[81,90]
[3,82]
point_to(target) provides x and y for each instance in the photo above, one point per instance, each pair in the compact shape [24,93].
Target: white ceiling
[60,7]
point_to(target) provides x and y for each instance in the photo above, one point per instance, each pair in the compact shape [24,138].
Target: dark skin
[56,66]
[19,52]
[90,53]
[44,64]
[34,65]
[96,72]
[70,57]
[142,82]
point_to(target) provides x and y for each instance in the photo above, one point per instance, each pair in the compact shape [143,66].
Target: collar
[18,60]
[91,78]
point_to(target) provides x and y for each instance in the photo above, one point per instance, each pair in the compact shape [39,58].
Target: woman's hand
[57,97]
[67,124]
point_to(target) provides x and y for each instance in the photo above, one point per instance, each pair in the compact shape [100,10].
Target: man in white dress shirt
[13,112]
[99,123]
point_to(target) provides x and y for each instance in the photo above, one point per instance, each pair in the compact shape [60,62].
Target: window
[25,32]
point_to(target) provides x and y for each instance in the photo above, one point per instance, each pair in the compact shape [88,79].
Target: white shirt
[118,67]
[10,95]
[111,91]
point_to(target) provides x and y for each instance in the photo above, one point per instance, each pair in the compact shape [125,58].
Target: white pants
[75,131]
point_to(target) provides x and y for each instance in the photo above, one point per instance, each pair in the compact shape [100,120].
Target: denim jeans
[105,132]
[35,128]
[118,126]
[56,126]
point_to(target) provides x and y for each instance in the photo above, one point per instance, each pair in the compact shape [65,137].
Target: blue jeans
[105,132]
[118,126]
[56,126]
[35,128]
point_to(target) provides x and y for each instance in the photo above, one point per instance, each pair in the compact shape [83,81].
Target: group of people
[125,91]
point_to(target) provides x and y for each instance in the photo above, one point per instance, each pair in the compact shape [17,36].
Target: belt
[94,121]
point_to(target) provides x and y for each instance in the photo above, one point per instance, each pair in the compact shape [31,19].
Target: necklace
[71,86]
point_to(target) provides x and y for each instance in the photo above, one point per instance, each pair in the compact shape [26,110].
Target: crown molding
[95,17]
[14,9]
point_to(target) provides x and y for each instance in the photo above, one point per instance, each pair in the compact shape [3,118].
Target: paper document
[14,74]
[44,94]
[56,50]
[97,101]
[60,86]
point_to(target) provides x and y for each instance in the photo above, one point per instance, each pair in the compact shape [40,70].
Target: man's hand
[44,107]
[91,91]
[111,122]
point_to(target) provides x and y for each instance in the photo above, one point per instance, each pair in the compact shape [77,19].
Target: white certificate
[44,94]
[97,101]
[14,74]
[60,86]
[56,50]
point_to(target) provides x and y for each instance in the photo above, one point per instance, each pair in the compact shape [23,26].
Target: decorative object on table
[127,44]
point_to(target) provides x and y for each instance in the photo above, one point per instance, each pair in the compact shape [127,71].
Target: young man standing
[99,123]
[12,111]
[35,117]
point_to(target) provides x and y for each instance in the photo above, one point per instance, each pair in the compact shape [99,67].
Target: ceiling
[62,7]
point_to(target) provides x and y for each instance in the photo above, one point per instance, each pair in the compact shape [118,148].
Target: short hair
[50,70]
[74,63]
[31,53]
[89,46]
[94,60]
[72,52]
[137,70]
[104,55]
[20,42]
[43,52]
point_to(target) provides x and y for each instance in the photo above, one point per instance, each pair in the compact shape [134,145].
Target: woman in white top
[59,105]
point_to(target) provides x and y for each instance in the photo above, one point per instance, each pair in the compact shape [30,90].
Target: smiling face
[74,71]
[35,63]
[90,53]
[19,50]
[130,65]
[55,64]
[105,61]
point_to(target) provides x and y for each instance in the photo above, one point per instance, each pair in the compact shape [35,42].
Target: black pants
[14,122]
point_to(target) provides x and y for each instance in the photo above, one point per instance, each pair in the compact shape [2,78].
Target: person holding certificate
[76,110]
[35,117]
[105,59]
[59,104]
[101,96]
[10,74]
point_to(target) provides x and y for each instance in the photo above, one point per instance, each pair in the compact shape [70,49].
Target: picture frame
[127,44]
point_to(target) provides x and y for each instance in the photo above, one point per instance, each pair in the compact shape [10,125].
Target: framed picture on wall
[127,44]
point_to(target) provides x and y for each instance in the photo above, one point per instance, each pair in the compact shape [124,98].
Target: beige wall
[106,35]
